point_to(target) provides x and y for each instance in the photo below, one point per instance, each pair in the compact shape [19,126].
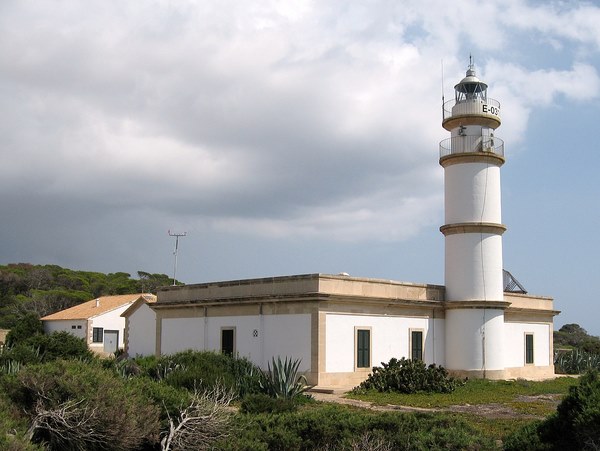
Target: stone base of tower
[532,373]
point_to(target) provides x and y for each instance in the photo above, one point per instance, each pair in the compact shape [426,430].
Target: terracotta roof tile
[97,306]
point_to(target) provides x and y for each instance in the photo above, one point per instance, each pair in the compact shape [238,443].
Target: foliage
[28,326]
[263,403]
[203,421]
[575,336]
[45,348]
[409,376]
[281,380]
[575,425]
[75,405]
[45,289]
[576,361]
[194,370]
[13,428]
[336,427]
[477,391]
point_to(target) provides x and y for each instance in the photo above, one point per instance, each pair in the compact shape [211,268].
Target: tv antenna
[176,235]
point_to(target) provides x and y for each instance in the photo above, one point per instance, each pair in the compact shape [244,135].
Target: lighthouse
[472,158]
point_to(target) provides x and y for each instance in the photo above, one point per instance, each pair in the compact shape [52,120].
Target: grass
[518,395]
[478,391]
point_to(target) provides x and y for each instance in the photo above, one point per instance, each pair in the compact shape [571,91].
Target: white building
[341,326]
[98,321]
[140,327]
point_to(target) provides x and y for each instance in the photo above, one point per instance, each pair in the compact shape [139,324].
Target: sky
[293,137]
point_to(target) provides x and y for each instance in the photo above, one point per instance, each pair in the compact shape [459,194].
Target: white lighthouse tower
[473,230]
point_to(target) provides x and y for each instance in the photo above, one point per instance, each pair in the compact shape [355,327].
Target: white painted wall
[468,332]
[389,338]
[142,332]
[277,335]
[472,193]
[180,334]
[473,267]
[287,335]
[67,326]
[110,321]
[514,334]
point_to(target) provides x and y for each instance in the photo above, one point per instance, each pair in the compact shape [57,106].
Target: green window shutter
[363,348]
[227,341]
[529,348]
[417,345]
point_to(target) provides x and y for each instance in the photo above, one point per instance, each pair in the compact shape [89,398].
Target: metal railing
[490,107]
[471,144]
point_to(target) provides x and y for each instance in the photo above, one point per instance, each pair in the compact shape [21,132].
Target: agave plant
[281,380]
[576,361]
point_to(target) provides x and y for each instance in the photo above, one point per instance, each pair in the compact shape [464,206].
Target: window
[416,344]
[228,340]
[97,334]
[78,327]
[363,348]
[528,349]
[73,327]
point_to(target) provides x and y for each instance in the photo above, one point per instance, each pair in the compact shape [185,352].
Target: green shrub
[27,326]
[409,376]
[576,361]
[525,439]
[336,427]
[282,380]
[13,428]
[75,405]
[262,403]
[575,425]
[60,345]
[18,355]
[194,370]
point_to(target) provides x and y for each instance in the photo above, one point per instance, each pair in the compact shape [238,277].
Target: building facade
[341,326]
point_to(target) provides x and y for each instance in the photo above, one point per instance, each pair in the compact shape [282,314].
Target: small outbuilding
[98,322]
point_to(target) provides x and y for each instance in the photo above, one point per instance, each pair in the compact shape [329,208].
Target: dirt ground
[483,410]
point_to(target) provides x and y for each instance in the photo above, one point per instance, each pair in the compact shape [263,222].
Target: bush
[409,376]
[75,405]
[44,348]
[13,428]
[28,326]
[60,345]
[336,427]
[575,425]
[202,371]
[576,361]
[262,403]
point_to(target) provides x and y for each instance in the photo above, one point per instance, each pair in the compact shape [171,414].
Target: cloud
[303,119]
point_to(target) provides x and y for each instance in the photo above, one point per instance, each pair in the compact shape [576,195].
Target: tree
[28,326]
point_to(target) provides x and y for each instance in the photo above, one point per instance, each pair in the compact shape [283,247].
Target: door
[111,341]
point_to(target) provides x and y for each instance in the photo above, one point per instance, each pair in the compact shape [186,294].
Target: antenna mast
[176,235]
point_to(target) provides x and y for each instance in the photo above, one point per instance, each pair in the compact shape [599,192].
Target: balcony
[472,144]
[469,107]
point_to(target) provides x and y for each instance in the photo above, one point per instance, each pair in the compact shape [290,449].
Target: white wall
[468,333]
[515,344]
[276,335]
[67,326]
[473,267]
[389,338]
[142,332]
[472,193]
[288,336]
[110,321]
[180,334]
